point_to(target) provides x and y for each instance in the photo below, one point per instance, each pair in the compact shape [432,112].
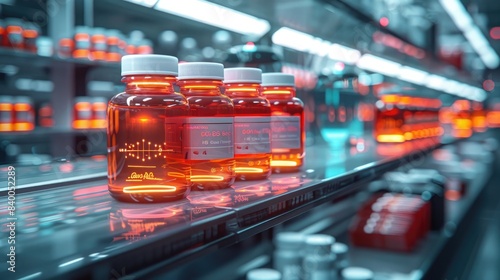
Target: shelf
[98,231]
[21,57]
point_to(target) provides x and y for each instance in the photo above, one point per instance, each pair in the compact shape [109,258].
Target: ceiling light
[379,65]
[472,33]
[412,75]
[436,82]
[300,41]
[147,3]
[216,15]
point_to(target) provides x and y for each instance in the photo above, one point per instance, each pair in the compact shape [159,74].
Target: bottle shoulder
[145,100]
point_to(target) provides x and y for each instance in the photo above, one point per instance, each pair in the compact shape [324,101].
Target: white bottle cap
[357,273]
[242,75]
[319,244]
[290,240]
[149,64]
[278,79]
[263,274]
[201,70]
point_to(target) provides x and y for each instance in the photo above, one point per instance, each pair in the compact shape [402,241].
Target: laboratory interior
[250,140]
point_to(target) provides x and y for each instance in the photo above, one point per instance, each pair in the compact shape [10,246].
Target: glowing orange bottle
[287,122]
[145,162]
[208,132]
[252,123]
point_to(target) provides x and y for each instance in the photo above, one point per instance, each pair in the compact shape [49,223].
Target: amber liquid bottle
[145,162]
[288,133]
[208,131]
[252,123]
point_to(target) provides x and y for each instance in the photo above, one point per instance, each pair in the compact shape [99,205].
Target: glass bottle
[252,123]
[208,132]
[287,122]
[145,160]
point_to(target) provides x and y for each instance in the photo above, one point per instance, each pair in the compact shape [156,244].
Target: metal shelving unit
[103,235]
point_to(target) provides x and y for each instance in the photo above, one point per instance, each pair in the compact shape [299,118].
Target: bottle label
[252,135]
[285,132]
[208,138]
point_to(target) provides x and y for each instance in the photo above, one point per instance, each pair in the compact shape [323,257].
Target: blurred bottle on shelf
[144,46]
[479,123]
[82,43]
[340,250]
[13,33]
[319,261]
[98,44]
[6,113]
[2,31]
[99,107]
[462,121]
[24,114]
[113,41]
[287,122]
[65,48]
[82,113]
[45,115]
[45,47]
[288,254]
[31,32]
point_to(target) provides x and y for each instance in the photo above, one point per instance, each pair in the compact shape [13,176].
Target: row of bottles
[162,143]
[18,34]
[16,113]
[404,118]
[101,44]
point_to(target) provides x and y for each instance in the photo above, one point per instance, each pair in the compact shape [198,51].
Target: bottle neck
[149,84]
[243,90]
[200,87]
[278,92]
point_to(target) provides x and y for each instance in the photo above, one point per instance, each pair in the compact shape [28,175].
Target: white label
[208,138]
[252,135]
[285,132]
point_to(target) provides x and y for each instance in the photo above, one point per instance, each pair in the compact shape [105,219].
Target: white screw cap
[242,75]
[278,79]
[263,274]
[149,64]
[357,273]
[201,70]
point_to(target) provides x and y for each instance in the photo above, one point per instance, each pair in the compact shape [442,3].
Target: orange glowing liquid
[145,161]
[286,157]
[207,104]
[389,125]
[252,151]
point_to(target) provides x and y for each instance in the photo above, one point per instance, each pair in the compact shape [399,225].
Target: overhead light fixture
[300,41]
[216,15]
[436,82]
[412,75]
[344,54]
[380,65]
[147,3]
[472,33]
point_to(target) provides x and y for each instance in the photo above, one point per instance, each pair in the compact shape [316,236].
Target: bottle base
[251,177]
[287,169]
[148,197]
